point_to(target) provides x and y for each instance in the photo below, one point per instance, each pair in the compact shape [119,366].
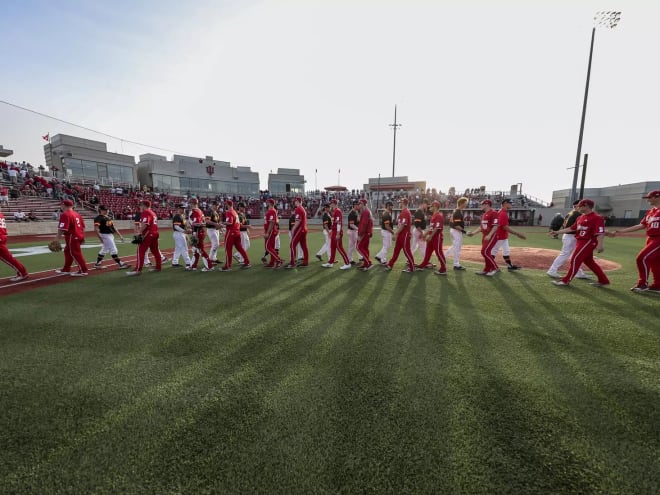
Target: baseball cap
[355,202]
[147,203]
[271,201]
[436,204]
[487,202]
[389,203]
[586,202]
[506,200]
[333,201]
[653,194]
[363,201]
[103,208]
[575,203]
[180,205]
[241,205]
[194,200]
[404,200]
[67,202]
[299,199]
[229,202]
[326,205]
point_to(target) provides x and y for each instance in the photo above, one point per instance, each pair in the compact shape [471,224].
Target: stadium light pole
[394,126]
[606,19]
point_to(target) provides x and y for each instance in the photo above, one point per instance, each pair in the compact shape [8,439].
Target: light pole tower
[394,126]
[608,20]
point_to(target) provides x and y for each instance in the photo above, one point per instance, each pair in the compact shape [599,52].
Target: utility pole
[395,126]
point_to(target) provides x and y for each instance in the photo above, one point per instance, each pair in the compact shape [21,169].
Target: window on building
[627,214]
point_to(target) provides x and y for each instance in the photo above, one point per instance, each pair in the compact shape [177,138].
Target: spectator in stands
[14,193]
[56,215]
[13,175]
[4,196]
[32,217]
[19,216]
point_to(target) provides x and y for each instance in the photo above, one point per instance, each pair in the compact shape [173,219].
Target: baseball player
[292,222]
[567,244]
[590,233]
[179,230]
[648,259]
[299,235]
[456,232]
[419,226]
[488,229]
[352,230]
[365,232]
[327,226]
[212,218]
[503,231]
[434,239]
[402,236]
[271,228]
[233,237]
[138,228]
[6,257]
[337,238]
[149,233]
[245,229]
[386,232]
[72,228]
[105,231]
[198,222]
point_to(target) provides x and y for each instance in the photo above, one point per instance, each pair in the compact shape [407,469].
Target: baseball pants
[245,242]
[434,245]
[271,247]
[387,243]
[456,244]
[567,247]
[180,249]
[199,250]
[234,241]
[299,239]
[8,259]
[352,242]
[337,244]
[149,243]
[418,242]
[648,262]
[109,246]
[325,249]
[487,253]
[584,253]
[363,250]
[72,252]
[214,237]
[402,242]
[299,253]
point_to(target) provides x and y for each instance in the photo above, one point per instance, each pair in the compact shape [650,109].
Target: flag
[46,137]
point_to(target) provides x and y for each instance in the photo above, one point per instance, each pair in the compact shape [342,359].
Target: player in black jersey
[105,230]
[327,227]
[386,232]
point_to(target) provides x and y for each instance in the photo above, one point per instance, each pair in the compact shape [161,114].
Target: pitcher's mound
[529,257]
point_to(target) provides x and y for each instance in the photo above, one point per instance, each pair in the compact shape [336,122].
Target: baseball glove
[194,241]
[137,239]
[55,246]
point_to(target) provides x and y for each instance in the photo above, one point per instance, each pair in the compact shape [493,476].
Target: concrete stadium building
[623,204]
[4,152]
[286,180]
[86,160]
[202,176]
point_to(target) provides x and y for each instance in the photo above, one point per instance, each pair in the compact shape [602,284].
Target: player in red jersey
[199,222]
[589,235]
[402,238]
[6,257]
[503,231]
[434,239]
[233,237]
[365,232]
[299,235]
[337,237]
[72,228]
[648,259]
[488,228]
[149,233]
[270,235]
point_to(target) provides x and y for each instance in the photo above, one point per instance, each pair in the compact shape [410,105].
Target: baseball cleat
[640,288]
[480,273]
[132,274]
[152,270]
[583,277]
[345,267]
[388,268]
[440,272]
[175,265]
[560,283]
[319,257]
[513,268]
[59,272]
[123,266]
[655,290]
[327,265]
[207,269]
[492,273]
[289,266]
[78,274]
[264,260]
[407,270]
[188,268]
[553,274]
[246,266]
[18,278]
[599,284]
[164,259]
[225,269]
[459,267]
[378,259]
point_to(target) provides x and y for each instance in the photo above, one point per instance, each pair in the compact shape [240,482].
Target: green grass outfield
[323,381]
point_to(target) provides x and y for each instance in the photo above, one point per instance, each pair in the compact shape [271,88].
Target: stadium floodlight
[607,19]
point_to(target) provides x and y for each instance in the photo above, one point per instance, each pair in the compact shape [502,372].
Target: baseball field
[318,380]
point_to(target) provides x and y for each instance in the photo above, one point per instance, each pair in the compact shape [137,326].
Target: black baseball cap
[103,208]
[575,203]
[389,203]
[356,203]
[241,205]
[506,200]
[180,205]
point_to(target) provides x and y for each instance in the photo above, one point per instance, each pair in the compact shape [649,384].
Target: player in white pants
[105,230]
[386,233]
[180,238]
[352,231]
[327,225]
[502,234]
[213,230]
[456,232]
[567,245]
[245,231]
[418,237]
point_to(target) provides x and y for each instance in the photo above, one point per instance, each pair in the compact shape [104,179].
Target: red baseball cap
[271,201]
[363,201]
[653,194]
[67,202]
[299,199]
[229,202]
[436,203]
[586,202]
[194,200]
[333,201]
[487,202]
[147,203]
[404,200]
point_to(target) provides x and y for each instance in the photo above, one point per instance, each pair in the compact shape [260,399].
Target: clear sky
[489,93]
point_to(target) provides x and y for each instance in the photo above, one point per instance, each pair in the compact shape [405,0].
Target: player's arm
[600,242]
[511,231]
[97,230]
[178,227]
[613,233]
[567,230]
[491,232]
